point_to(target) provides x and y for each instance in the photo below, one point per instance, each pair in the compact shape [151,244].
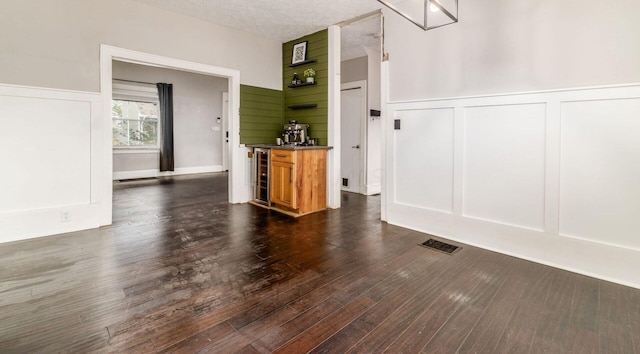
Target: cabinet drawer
[283,155]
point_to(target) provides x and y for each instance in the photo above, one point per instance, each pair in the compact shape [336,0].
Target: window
[135,113]
[134,123]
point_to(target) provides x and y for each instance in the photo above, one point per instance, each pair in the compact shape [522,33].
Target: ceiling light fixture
[426,14]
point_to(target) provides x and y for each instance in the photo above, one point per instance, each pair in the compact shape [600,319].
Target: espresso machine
[295,133]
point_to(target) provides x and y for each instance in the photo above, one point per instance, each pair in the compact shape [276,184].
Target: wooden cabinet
[298,180]
[282,176]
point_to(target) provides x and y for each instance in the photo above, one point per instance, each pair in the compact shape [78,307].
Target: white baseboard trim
[123,175]
[22,225]
[372,189]
[193,170]
[135,174]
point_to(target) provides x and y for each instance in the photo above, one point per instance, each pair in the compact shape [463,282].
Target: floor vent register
[440,246]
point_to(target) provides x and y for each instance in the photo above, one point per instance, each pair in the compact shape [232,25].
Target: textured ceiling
[355,37]
[283,20]
[286,20]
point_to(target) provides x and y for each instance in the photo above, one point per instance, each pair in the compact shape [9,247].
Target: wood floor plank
[616,338]
[553,326]
[519,335]
[228,344]
[484,337]
[320,331]
[473,303]
[387,304]
[193,342]
[270,323]
[267,306]
[295,326]
[183,313]
[182,270]
[585,304]
[441,291]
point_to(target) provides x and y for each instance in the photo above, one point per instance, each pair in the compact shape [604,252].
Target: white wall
[57,45]
[198,134]
[513,46]
[353,69]
[549,175]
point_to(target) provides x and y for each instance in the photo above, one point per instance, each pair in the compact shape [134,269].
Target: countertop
[289,147]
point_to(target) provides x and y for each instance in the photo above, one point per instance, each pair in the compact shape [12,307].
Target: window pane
[120,133]
[143,132]
[134,123]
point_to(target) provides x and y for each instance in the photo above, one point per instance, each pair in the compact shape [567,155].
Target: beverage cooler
[261,168]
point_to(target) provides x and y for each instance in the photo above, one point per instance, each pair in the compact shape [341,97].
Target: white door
[352,115]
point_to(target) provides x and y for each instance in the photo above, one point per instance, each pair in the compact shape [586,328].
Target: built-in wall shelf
[303,62]
[304,83]
[304,106]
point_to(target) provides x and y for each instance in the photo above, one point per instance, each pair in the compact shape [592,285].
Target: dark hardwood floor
[181,270]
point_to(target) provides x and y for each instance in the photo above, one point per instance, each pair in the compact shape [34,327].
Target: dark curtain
[165,95]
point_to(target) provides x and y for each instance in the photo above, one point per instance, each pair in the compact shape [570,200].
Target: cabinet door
[282,184]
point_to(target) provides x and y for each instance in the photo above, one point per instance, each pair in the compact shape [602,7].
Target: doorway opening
[198,124]
[237,190]
[360,124]
[353,130]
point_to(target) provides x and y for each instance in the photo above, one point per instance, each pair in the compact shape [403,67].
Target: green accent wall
[317,48]
[263,112]
[260,115]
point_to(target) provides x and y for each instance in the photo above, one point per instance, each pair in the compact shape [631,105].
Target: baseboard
[135,174]
[193,170]
[22,225]
[573,255]
[372,189]
[123,175]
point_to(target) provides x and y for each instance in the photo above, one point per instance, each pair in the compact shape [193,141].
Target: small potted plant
[310,74]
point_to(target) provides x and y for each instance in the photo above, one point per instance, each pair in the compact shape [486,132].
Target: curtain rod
[137,82]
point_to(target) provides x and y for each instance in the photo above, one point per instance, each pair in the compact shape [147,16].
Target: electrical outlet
[65,216]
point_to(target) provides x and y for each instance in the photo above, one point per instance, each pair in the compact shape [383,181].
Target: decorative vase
[310,80]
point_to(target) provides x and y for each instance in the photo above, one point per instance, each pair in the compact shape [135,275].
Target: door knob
[356,147]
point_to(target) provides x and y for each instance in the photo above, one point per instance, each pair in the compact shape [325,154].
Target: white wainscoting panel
[504,160]
[52,164]
[423,150]
[600,171]
[552,177]
[45,147]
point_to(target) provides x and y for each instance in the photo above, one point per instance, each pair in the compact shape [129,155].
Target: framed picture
[299,53]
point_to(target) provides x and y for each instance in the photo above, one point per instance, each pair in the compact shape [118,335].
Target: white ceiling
[284,20]
[355,37]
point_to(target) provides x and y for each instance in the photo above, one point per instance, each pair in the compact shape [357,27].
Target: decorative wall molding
[545,176]
[49,176]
